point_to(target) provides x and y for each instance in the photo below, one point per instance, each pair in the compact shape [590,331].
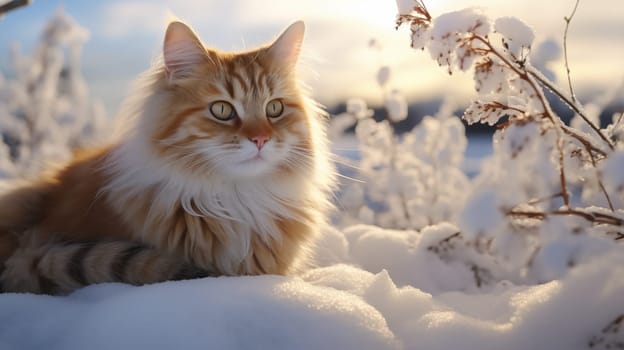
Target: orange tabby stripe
[176,122]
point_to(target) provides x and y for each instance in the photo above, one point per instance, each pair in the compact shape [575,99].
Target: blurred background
[124,36]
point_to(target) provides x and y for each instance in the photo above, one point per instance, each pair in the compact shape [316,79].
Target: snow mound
[266,312]
[338,306]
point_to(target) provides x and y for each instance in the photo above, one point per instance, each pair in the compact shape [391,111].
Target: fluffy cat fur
[210,193]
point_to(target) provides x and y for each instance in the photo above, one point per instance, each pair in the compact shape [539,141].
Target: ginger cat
[222,170]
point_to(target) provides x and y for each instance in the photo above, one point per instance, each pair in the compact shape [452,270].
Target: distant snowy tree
[411,181]
[46,111]
[408,181]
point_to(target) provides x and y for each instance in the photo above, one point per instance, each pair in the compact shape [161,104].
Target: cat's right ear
[182,50]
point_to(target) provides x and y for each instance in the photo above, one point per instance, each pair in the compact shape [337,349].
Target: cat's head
[240,115]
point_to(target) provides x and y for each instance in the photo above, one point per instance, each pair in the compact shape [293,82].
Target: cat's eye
[222,110]
[274,108]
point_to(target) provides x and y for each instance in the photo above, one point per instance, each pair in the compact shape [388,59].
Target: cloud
[132,17]
[338,32]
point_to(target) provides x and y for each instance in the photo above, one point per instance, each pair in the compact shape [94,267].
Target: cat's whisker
[349,178]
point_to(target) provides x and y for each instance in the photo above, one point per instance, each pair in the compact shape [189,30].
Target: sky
[125,36]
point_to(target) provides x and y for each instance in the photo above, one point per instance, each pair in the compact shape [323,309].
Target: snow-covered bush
[408,181]
[45,109]
[551,196]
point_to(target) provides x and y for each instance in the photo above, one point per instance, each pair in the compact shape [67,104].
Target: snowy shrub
[549,198]
[46,111]
[408,181]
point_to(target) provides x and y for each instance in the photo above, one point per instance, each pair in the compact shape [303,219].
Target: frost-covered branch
[593,216]
[608,337]
[570,103]
[510,219]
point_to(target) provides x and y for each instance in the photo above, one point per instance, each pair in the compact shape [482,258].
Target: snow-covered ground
[380,289]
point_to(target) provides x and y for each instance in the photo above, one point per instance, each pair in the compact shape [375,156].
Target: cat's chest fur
[235,228]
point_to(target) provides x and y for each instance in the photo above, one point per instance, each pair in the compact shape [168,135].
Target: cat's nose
[260,140]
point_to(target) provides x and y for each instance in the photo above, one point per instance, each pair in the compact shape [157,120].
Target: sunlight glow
[376,12]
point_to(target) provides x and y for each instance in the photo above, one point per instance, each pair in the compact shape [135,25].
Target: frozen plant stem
[393,150]
[556,122]
[565,48]
[529,74]
[12,5]
[591,216]
[600,184]
[571,104]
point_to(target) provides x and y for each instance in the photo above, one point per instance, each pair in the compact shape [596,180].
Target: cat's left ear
[182,50]
[286,48]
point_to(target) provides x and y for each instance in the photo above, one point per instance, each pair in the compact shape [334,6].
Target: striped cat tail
[58,268]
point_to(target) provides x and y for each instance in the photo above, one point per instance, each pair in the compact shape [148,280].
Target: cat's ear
[286,48]
[182,50]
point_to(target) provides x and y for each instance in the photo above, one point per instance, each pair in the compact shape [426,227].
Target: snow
[518,35]
[447,34]
[405,7]
[338,306]
[482,213]
[396,106]
[613,171]
[358,108]
[224,313]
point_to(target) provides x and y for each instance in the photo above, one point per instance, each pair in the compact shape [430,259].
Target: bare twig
[565,48]
[12,5]
[603,341]
[548,113]
[600,184]
[424,10]
[618,235]
[591,216]
[562,177]
[570,104]
[579,137]
[535,201]
[526,73]
[619,120]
